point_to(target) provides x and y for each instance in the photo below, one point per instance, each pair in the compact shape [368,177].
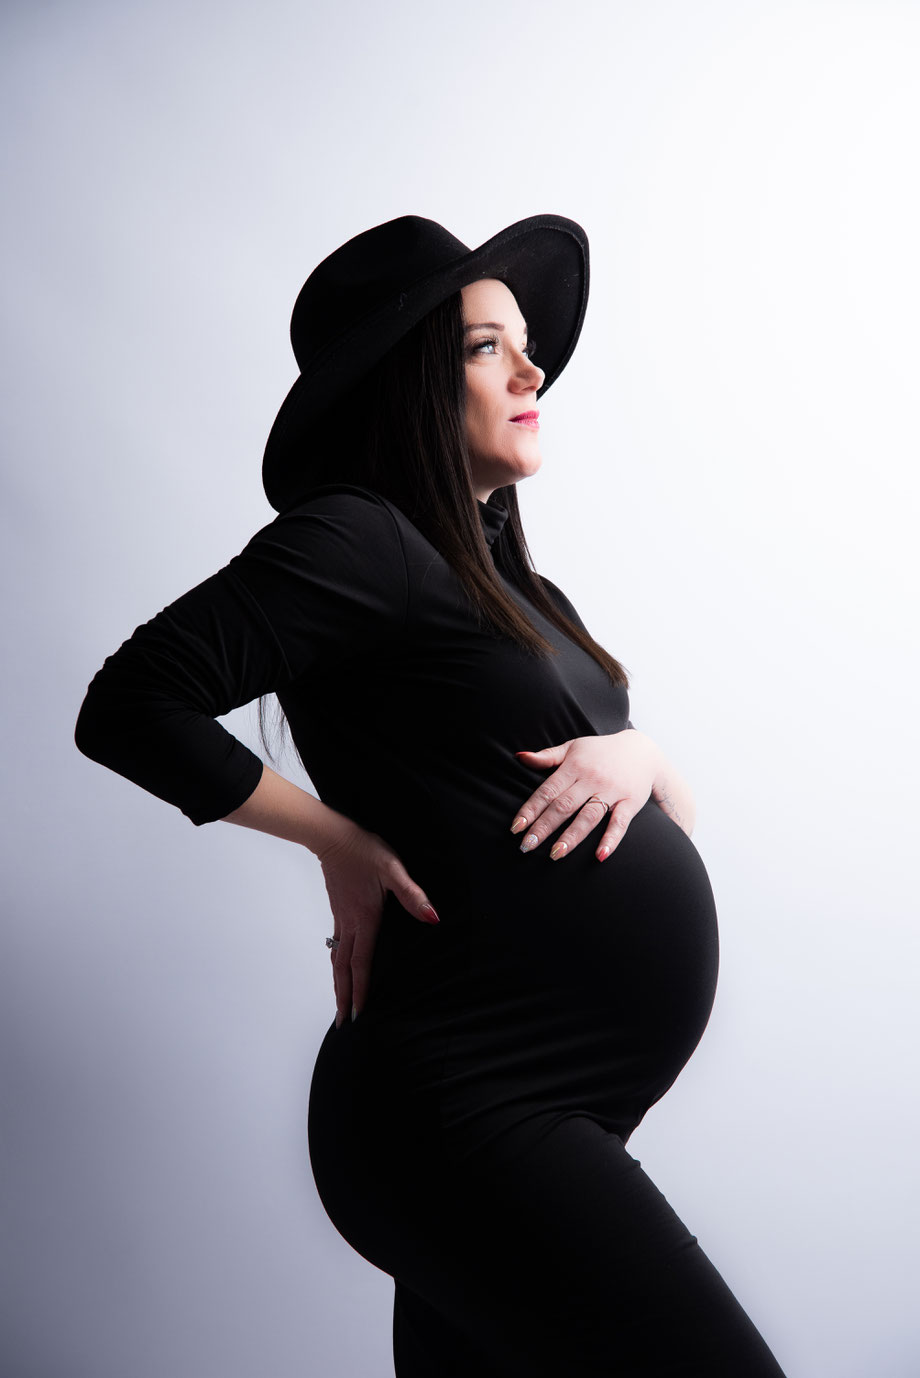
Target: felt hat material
[366,295]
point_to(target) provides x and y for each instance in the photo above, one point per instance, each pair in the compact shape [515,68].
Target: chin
[518,469]
[505,470]
[527,469]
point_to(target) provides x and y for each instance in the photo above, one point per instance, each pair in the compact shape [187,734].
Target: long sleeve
[322,584]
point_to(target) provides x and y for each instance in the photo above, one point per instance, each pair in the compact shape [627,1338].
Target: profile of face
[502,430]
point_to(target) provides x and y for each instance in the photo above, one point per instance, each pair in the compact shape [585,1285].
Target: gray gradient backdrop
[728,495]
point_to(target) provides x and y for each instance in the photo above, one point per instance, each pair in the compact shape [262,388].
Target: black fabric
[467,1132]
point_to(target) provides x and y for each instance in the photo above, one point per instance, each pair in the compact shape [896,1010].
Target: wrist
[281,808]
[663,777]
[654,755]
[332,831]
[672,794]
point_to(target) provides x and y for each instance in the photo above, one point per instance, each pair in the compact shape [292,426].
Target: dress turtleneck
[493,519]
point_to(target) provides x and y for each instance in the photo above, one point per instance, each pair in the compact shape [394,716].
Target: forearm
[672,793]
[281,808]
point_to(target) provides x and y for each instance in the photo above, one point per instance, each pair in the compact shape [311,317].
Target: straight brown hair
[407,428]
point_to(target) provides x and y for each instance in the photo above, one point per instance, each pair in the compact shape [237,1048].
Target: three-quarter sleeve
[323,583]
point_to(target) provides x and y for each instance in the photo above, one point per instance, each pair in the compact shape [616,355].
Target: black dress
[467,1131]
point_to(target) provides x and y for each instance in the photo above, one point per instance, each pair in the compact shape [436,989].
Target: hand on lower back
[359,869]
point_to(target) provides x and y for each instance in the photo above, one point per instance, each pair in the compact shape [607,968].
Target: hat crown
[365,274]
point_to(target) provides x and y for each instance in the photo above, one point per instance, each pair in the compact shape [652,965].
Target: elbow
[86,731]
[96,729]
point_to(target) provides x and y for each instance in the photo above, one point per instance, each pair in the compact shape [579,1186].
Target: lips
[527,418]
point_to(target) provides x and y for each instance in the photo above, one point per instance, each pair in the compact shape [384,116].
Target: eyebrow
[488,325]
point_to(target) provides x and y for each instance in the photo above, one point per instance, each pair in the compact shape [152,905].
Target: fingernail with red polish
[603,853]
[427,911]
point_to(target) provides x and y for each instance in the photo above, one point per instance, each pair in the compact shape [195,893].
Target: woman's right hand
[359,868]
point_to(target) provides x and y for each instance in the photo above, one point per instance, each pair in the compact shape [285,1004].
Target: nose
[527,377]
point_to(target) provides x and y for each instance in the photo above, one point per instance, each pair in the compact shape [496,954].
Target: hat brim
[543,260]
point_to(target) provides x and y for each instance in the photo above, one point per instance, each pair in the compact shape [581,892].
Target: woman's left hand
[623,770]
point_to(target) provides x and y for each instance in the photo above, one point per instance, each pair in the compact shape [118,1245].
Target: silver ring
[332,942]
[599,800]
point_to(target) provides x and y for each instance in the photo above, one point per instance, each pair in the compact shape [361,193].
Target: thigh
[613,1281]
[558,1255]
[546,1252]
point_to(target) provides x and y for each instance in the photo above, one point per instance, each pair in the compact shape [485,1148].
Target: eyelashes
[528,350]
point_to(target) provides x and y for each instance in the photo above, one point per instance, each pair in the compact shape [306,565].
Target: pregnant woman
[524,940]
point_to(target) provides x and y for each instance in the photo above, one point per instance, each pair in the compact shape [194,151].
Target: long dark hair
[407,423]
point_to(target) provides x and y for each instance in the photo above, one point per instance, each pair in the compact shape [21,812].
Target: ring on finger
[595,798]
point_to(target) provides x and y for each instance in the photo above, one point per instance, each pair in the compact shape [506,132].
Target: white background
[728,495]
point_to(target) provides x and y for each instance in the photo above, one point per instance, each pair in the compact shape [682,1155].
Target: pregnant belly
[635,932]
[591,983]
[574,986]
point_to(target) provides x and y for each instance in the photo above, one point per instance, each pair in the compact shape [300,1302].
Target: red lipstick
[527,418]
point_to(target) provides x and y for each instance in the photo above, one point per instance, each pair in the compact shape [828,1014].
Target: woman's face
[501,388]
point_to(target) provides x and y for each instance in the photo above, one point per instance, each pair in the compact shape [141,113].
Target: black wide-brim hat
[362,299]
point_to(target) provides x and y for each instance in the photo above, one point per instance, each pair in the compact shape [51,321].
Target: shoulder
[338,521]
[562,602]
[327,569]
[555,592]
[339,542]
[344,503]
